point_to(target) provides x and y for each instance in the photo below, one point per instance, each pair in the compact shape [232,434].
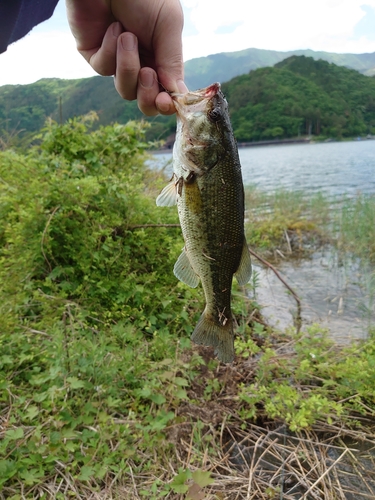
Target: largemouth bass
[207,187]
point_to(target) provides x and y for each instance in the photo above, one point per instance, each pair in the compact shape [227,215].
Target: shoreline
[275,142]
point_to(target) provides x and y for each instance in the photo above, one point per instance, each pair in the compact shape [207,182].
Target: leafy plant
[198,480]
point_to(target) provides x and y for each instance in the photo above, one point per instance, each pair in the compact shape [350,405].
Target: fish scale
[208,189]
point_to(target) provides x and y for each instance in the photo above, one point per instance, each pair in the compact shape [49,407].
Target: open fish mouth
[196,96]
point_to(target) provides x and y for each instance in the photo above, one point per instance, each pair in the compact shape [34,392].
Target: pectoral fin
[243,273]
[184,272]
[168,197]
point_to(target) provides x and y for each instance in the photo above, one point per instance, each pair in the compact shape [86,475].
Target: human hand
[137,41]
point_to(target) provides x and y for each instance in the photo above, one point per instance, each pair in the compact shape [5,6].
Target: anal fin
[184,271]
[243,273]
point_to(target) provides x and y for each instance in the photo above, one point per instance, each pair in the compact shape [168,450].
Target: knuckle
[104,66]
[127,92]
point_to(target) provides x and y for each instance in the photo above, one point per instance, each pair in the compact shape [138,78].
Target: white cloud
[271,24]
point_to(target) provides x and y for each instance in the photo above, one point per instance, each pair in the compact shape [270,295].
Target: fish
[208,189]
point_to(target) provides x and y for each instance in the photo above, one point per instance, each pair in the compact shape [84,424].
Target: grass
[102,396]
[105,414]
[187,426]
[284,220]
[355,225]
[294,221]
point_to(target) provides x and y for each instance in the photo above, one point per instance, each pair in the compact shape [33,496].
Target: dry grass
[252,461]
[266,461]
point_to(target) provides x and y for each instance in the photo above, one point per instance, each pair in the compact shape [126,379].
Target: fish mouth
[197,103]
[212,90]
[196,96]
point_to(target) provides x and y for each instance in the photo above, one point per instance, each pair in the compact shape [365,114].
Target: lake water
[338,295]
[334,168]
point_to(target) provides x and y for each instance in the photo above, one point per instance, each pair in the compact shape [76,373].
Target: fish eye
[215,114]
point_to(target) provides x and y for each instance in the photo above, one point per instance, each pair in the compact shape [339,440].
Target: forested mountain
[25,107]
[301,96]
[297,96]
[202,71]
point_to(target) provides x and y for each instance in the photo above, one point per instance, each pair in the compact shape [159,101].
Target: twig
[133,480]
[325,473]
[288,240]
[31,330]
[44,235]
[137,226]
[297,299]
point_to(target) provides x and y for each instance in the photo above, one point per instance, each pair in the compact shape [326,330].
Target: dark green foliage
[300,96]
[24,108]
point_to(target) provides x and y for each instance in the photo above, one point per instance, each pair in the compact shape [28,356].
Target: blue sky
[210,27]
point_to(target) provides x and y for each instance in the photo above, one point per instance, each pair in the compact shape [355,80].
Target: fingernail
[182,87]
[147,79]
[128,41]
[116,29]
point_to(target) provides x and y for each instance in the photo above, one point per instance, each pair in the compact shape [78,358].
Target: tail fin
[221,337]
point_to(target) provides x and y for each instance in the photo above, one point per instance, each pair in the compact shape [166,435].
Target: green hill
[301,96]
[24,108]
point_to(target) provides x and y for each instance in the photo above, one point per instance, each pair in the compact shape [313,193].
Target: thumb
[168,48]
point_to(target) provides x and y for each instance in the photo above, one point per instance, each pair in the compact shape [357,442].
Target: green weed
[285,219]
[101,393]
[355,223]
